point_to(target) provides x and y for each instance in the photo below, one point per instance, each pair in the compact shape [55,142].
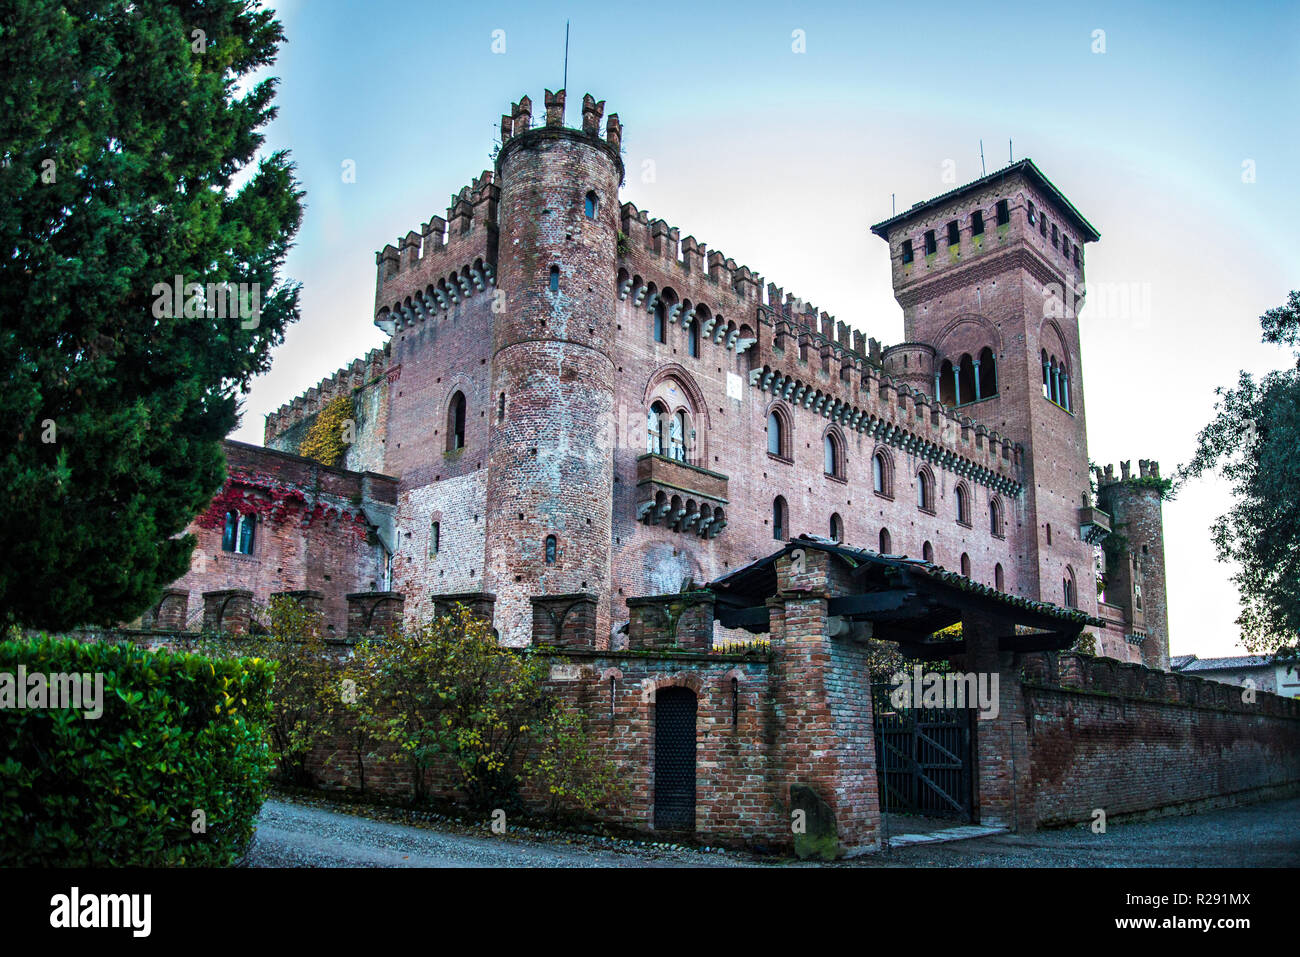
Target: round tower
[550,478]
[912,364]
[1136,564]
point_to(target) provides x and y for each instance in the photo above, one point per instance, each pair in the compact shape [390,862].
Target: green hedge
[178,733]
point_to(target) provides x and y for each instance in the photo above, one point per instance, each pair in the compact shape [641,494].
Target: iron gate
[675,759]
[923,757]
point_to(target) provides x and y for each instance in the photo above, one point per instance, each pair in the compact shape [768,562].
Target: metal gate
[923,757]
[675,759]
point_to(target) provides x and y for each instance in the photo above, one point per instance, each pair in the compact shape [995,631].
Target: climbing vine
[325,440]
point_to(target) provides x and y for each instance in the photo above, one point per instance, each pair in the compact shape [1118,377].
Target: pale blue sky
[782,160]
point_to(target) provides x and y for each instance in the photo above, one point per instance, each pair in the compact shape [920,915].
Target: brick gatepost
[1002,778]
[565,621]
[172,611]
[824,758]
[373,612]
[229,611]
[312,602]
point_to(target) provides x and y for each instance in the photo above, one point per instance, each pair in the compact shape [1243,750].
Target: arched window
[886,544]
[776,443]
[550,549]
[693,339]
[661,322]
[881,477]
[780,518]
[998,582]
[927,552]
[591,205]
[988,374]
[1049,533]
[965,564]
[963,505]
[995,517]
[435,537]
[1046,371]
[924,491]
[555,279]
[837,528]
[501,407]
[456,422]
[677,437]
[655,428]
[833,456]
[1067,588]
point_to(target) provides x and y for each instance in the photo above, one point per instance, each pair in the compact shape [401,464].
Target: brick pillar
[172,611]
[312,602]
[565,621]
[373,612]
[659,622]
[481,604]
[825,754]
[1002,778]
[229,611]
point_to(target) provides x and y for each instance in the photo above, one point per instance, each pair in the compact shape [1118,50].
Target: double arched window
[666,434]
[239,532]
[456,422]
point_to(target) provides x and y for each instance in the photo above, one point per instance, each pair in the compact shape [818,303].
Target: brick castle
[576,401]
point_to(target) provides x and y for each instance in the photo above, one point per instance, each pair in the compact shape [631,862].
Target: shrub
[447,692]
[305,680]
[567,768]
[179,734]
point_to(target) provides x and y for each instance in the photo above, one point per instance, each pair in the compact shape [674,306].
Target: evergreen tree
[1253,440]
[123,130]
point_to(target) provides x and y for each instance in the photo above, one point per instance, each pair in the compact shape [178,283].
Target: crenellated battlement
[443,245]
[345,381]
[1147,469]
[734,286]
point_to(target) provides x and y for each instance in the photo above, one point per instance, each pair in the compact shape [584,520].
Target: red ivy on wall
[273,502]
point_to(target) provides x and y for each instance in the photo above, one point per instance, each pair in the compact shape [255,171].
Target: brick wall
[1128,739]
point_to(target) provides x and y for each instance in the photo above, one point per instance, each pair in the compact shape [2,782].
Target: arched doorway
[675,759]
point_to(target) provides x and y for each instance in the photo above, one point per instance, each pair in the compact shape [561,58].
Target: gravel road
[298,835]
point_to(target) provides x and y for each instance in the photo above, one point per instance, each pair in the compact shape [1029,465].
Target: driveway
[299,835]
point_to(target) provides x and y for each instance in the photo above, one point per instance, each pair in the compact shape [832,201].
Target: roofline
[1026,166]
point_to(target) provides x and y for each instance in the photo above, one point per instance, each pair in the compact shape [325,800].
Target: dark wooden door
[675,759]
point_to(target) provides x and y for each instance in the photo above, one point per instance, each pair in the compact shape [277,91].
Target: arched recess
[967,332]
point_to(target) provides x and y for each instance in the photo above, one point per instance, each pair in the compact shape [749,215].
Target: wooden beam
[871,603]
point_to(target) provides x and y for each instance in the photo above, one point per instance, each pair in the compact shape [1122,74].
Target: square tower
[990,275]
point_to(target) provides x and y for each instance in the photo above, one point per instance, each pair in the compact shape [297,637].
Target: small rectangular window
[1055,237]
[555,279]
[1042,226]
[907,250]
[1032,213]
[1076,254]
[954,233]
[931,244]
[977,223]
[1004,213]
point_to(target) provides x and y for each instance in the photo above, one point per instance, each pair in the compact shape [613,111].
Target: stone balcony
[1094,525]
[682,497]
